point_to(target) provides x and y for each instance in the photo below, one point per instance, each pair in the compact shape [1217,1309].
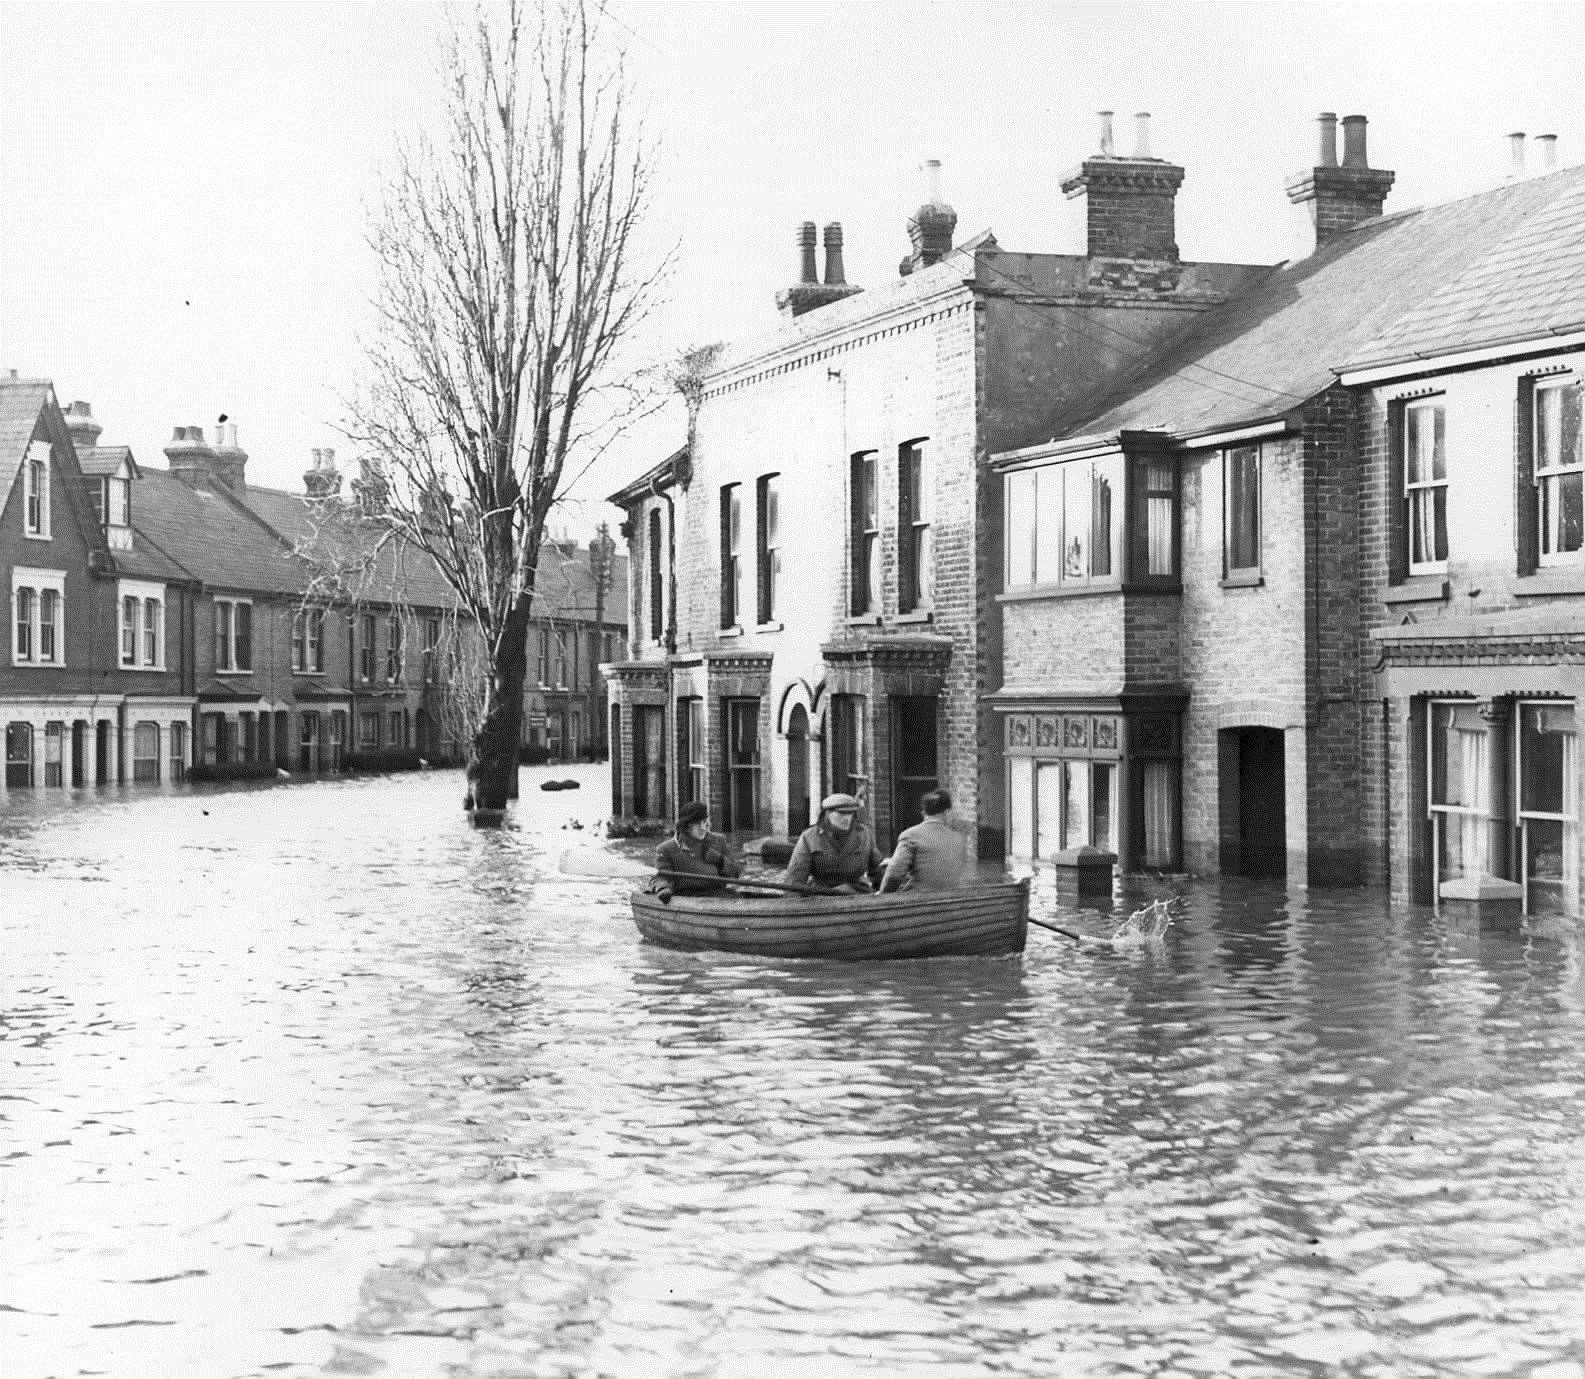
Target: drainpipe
[671,564]
[1386,793]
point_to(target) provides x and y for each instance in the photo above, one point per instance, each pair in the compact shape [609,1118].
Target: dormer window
[118,501]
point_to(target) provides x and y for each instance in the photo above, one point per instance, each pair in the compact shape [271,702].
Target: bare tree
[511,274]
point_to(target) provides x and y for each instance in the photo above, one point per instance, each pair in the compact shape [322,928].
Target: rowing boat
[973,921]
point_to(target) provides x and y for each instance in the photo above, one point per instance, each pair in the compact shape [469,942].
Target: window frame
[234,633]
[1240,566]
[1037,513]
[1555,474]
[657,577]
[916,506]
[732,555]
[366,647]
[864,533]
[1438,488]
[142,634]
[393,648]
[767,542]
[29,627]
[37,480]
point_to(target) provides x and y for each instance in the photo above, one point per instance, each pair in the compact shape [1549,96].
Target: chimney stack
[931,225]
[321,479]
[230,460]
[1130,203]
[84,429]
[189,457]
[809,292]
[1335,198]
[1548,144]
[1516,154]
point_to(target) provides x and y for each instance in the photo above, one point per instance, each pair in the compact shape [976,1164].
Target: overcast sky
[186,184]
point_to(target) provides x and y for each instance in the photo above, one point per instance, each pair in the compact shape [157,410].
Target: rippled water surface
[313,1079]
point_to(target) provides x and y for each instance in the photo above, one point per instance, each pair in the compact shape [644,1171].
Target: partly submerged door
[913,757]
[742,765]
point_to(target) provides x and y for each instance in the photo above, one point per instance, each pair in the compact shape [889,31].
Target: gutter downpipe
[670,640]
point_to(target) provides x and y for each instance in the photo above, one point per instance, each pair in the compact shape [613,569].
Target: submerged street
[313,1079]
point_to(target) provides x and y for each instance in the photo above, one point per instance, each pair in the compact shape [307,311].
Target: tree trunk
[492,765]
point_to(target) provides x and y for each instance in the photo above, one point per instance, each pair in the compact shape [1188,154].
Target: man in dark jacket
[699,858]
[837,853]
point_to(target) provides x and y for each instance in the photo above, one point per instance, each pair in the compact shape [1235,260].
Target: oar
[592,862]
[1066,933]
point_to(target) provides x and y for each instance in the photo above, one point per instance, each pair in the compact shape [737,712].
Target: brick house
[814,573]
[95,686]
[1217,586]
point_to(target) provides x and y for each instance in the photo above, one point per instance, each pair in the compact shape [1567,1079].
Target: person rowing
[693,861]
[837,853]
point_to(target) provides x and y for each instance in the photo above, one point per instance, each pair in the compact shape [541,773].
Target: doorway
[797,770]
[914,769]
[1255,837]
[649,762]
[742,765]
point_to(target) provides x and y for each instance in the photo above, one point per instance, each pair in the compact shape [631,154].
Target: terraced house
[1273,571]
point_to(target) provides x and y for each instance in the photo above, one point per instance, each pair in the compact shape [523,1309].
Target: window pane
[1020,528]
[1076,523]
[1159,786]
[1460,775]
[1103,789]
[48,602]
[1546,758]
[1048,525]
[1562,513]
[1076,813]
[1158,518]
[1104,526]
[151,632]
[1243,508]
[129,630]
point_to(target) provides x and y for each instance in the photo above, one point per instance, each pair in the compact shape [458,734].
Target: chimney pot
[1142,134]
[1354,142]
[835,275]
[806,253]
[932,171]
[1106,132]
[1327,157]
[330,458]
[1516,153]
[1548,144]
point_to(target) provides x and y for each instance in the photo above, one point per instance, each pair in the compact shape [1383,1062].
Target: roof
[564,586]
[402,571]
[1436,279]
[21,400]
[213,537]
[98,460]
[651,481]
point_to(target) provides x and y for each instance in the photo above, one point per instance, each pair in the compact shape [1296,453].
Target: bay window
[1064,524]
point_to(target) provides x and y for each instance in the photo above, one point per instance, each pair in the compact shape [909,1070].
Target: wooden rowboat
[973,921]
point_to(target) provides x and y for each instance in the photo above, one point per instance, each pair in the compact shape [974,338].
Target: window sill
[1036,593]
[864,620]
[145,670]
[1417,589]
[768,627]
[1242,579]
[38,665]
[37,536]
[729,632]
[918,615]
[1551,579]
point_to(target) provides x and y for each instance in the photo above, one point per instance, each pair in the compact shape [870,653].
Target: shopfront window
[1548,785]
[1460,790]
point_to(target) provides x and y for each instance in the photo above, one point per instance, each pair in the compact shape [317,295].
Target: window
[368,731]
[865,535]
[38,617]
[142,625]
[768,561]
[431,649]
[696,781]
[847,744]
[146,751]
[209,728]
[916,509]
[1241,510]
[1063,774]
[117,501]
[1460,790]
[308,641]
[731,555]
[396,730]
[657,588]
[178,751]
[366,646]
[1559,459]
[1156,477]
[233,635]
[1064,524]
[544,654]
[1425,486]
[36,492]
[393,647]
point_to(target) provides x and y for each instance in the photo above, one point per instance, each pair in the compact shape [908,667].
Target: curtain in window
[1159,785]
[1158,518]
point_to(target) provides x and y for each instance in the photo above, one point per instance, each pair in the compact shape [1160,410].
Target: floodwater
[312,1079]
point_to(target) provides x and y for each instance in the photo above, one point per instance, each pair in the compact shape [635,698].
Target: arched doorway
[797,770]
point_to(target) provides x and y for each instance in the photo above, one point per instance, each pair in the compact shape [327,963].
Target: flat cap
[838,802]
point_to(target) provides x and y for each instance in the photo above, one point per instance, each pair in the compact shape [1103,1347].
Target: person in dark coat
[701,858]
[837,853]
[931,855]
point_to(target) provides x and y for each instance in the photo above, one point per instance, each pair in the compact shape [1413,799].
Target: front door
[913,758]
[1262,827]
[649,762]
[797,770]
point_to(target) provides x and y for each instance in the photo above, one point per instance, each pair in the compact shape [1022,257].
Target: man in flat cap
[837,853]
[699,860]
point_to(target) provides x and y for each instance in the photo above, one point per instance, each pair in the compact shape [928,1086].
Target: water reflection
[309,1080]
